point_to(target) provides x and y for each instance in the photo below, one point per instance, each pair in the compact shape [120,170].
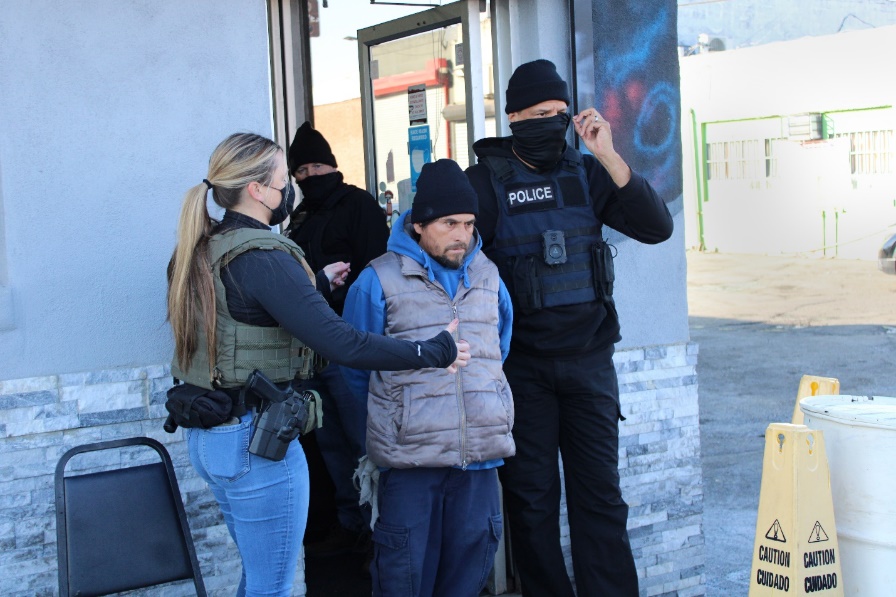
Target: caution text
[822,557]
[774,556]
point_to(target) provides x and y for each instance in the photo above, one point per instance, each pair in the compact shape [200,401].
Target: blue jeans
[341,441]
[437,532]
[264,503]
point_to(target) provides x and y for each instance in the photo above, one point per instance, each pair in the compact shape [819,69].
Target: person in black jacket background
[542,206]
[336,222]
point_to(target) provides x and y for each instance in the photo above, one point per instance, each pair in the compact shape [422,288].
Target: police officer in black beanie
[336,222]
[542,206]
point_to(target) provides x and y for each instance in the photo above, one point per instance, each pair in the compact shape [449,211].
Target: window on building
[771,158]
[739,160]
[871,152]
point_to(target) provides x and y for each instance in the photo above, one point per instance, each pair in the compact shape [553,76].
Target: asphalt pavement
[762,322]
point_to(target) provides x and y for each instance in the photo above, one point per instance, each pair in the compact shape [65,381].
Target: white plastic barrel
[860,436]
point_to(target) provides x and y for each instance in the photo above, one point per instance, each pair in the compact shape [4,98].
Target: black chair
[123,528]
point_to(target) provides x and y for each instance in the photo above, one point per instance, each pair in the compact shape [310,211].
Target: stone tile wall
[659,463]
[41,418]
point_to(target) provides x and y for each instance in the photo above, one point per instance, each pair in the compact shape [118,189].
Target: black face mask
[287,202]
[540,142]
[317,189]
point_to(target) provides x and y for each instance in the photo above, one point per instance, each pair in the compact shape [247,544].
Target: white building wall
[814,201]
[748,23]
[109,111]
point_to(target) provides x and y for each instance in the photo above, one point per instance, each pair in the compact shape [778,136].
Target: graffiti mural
[637,87]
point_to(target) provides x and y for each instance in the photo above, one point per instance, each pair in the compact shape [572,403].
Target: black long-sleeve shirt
[270,288]
[353,230]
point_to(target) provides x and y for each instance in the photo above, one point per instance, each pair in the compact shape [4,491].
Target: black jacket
[349,226]
[635,210]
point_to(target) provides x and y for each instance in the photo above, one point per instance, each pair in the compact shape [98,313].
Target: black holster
[281,417]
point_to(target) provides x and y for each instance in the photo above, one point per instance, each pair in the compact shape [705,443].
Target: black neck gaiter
[317,189]
[540,142]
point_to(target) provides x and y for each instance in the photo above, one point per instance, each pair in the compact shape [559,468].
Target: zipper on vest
[459,385]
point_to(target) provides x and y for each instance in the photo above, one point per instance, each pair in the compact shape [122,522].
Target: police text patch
[526,197]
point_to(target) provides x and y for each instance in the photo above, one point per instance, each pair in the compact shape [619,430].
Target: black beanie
[308,147]
[533,83]
[443,190]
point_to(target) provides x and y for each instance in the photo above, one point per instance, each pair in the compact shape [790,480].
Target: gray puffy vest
[242,348]
[430,417]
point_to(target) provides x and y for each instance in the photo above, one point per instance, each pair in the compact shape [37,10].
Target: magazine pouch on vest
[548,244]
[521,279]
[604,273]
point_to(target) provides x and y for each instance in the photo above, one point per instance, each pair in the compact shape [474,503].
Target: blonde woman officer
[233,288]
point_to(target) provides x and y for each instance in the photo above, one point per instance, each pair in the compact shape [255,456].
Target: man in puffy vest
[542,208]
[436,437]
[335,222]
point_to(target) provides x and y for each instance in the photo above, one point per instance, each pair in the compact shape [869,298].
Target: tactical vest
[241,347]
[537,214]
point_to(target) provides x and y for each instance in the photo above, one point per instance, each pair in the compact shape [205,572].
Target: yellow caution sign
[796,550]
[812,385]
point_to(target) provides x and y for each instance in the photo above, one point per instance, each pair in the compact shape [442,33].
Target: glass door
[422,95]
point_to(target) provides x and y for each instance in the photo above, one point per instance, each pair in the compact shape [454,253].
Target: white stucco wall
[835,74]
[832,72]
[109,110]
[541,30]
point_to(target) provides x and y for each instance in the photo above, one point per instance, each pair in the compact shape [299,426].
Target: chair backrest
[122,528]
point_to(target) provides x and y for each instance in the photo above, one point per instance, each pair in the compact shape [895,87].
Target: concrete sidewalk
[762,322]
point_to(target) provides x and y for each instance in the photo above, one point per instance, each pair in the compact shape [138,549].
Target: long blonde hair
[238,160]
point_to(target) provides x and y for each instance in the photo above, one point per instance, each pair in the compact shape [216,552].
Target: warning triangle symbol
[776,533]
[817,535]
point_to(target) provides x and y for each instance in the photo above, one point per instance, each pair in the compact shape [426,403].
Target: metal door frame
[465,12]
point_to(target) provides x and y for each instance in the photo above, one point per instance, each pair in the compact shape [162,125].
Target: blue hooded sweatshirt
[365,305]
